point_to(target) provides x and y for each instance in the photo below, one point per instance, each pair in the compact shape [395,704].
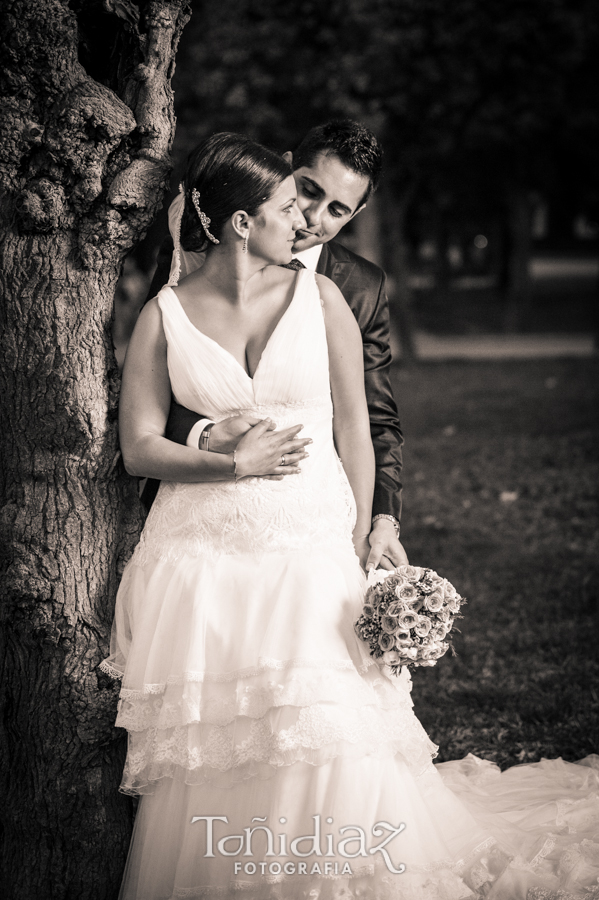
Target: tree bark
[396,257]
[83,169]
[368,231]
[518,287]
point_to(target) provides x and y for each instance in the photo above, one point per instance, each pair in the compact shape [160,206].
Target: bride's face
[272,230]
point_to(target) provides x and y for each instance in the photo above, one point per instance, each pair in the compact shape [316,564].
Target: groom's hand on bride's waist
[225,435]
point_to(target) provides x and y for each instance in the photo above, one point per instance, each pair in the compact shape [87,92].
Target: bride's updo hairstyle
[229,172]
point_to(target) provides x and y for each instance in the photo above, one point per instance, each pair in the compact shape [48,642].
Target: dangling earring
[245,244]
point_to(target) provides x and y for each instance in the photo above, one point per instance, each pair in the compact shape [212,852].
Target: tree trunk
[443,297]
[518,287]
[368,231]
[83,168]
[396,256]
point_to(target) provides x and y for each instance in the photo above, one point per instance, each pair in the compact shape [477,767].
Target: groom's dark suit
[363,286]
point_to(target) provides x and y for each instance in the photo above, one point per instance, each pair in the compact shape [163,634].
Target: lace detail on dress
[264,664]
[106,667]
[257,747]
[543,853]
[322,403]
[576,815]
[190,702]
[215,519]
[445,880]
[367,882]
[539,893]
[444,887]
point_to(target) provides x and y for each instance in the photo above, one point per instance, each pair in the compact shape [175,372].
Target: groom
[336,167]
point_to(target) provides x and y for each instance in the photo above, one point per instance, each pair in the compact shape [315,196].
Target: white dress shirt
[309,257]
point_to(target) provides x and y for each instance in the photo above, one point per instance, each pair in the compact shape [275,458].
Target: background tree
[85,135]
[481,110]
[480,106]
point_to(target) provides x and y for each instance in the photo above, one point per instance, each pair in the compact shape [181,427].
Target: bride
[274,756]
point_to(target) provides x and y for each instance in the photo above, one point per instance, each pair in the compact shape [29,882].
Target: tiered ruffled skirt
[257,718]
[276,760]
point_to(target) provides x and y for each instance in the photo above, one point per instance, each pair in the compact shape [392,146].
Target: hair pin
[195,197]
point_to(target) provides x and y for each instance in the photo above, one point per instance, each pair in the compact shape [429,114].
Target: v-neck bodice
[228,352]
[291,386]
[293,367]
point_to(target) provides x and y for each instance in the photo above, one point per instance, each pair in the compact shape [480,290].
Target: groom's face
[329,195]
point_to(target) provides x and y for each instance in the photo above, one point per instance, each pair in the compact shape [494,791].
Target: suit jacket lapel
[329,264]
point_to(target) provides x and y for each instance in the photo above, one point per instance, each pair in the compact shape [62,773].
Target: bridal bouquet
[408,613]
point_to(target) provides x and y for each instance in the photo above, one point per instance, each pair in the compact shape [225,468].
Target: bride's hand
[262,449]
[362,548]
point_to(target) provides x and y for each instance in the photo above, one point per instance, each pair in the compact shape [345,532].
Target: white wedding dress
[248,696]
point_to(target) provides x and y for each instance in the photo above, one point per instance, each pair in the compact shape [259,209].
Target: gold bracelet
[235,475]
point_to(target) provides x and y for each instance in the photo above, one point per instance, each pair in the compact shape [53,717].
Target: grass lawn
[501,489]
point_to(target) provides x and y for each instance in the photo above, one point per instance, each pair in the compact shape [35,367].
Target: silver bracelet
[235,475]
[391,519]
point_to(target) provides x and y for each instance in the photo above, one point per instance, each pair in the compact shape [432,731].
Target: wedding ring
[283,460]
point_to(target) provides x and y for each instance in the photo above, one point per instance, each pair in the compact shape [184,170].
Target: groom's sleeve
[387,437]
[180,422]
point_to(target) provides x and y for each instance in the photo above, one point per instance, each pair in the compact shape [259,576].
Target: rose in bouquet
[407,616]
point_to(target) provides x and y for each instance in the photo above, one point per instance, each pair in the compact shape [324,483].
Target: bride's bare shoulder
[150,311]
[330,294]
[149,328]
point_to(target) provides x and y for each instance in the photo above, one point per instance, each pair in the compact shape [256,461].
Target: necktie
[295,264]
